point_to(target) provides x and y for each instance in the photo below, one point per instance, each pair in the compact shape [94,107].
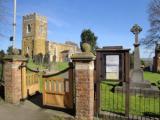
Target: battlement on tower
[35,16]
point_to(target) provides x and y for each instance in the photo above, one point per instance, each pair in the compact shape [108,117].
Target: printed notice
[112,67]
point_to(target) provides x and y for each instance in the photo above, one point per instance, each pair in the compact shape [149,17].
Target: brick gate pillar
[84,85]
[13,78]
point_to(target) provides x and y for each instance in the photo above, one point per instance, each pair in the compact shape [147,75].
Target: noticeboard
[112,67]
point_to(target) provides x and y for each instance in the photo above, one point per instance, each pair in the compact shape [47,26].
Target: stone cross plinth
[137,82]
[13,78]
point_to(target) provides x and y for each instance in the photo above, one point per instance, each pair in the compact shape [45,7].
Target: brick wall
[84,76]
[12,78]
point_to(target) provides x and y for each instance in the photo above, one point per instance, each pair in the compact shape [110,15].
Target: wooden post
[24,85]
[98,78]
[71,104]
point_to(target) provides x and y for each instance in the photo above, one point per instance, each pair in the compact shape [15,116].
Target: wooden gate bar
[24,84]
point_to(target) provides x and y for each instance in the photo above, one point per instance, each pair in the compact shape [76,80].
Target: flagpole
[14,25]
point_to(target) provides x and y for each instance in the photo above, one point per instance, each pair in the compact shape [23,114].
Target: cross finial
[136,29]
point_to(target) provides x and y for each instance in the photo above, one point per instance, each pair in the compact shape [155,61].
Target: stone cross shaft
[137,62]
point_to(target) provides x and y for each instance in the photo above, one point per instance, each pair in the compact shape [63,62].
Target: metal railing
[142,104]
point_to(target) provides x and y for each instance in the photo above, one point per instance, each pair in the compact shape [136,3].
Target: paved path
[29,111]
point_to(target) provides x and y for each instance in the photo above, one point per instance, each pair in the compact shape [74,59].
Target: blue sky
[110,20]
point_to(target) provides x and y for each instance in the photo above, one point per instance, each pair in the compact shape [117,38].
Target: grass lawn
[139,105]
[32,65]
[152,77]
[115,102]
[59,66]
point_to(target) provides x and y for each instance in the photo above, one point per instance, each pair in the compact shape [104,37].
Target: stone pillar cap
[14,58]
[88,56]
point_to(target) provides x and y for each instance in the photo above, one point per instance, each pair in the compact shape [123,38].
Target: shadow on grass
[38,100]
[150,114]
[114,85]
[113,112]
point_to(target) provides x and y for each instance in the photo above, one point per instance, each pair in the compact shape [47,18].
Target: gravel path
[29,111]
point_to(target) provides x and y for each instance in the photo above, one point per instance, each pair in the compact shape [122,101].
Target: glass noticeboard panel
[112,67]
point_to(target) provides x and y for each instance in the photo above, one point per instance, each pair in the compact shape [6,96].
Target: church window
[41,28]
[27,49]
[28,28]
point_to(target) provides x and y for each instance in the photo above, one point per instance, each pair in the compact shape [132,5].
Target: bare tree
[153,35]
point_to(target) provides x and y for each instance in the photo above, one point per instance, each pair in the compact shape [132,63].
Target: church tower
[157,58]
[34,35]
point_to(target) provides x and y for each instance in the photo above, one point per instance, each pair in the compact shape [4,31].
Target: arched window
[27,50]
[28,28]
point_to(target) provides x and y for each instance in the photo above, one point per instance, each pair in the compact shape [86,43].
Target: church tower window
[27,50]
[28,28]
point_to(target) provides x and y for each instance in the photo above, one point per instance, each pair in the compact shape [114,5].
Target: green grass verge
[59,66]
[115,102]
[32,65]
[152,77]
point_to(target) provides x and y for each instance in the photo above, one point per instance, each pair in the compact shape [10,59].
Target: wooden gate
[58,89]
[30,81]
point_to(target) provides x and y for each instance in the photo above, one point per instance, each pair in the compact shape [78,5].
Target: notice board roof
[112,48]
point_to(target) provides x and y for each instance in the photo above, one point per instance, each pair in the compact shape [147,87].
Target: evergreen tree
[87,36]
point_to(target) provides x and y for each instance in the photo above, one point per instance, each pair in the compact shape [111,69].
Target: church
[34,40]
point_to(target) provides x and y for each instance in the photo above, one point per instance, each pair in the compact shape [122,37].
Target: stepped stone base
[142,89]
[138,85]
[141,84]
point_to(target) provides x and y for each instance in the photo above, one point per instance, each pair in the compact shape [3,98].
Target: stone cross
[137,80]
[137,62]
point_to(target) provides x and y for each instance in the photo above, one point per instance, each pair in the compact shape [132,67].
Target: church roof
[65,51]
